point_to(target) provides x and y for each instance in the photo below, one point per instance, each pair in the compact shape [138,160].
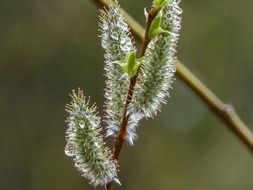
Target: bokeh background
[49,47]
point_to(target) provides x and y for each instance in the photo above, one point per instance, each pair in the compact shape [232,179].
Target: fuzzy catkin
[117,42]
[85,144]
[158,68]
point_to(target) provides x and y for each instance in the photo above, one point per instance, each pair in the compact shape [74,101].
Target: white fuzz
[117,42]
[85,144]
[158,68]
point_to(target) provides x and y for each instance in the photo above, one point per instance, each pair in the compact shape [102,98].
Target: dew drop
[107,57]
[105,26]
[70,130]
[122,25]
[178,10]
[104,44]
[82,124]
[96,144]
[130,140]
[115,35]
[70,149]
[114,12]
[109,132]
[151,45]
[173,69]
[127,46]
[117,181]
[77,164]
[124,39]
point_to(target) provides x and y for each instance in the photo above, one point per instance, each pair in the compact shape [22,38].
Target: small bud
[159,4]
[131,64]
[155,28]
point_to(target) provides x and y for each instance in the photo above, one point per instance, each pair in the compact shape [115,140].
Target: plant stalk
[119,141]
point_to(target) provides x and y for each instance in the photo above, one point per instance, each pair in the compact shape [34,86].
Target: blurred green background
[49,47]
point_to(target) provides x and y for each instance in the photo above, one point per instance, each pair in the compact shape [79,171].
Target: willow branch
[224,112]
[119,141]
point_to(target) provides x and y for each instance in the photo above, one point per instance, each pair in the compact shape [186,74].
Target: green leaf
[131,64]
[155,25]
[155,28]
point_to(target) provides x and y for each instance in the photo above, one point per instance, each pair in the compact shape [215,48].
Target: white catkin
[117,42]
[157,71]
[85,144]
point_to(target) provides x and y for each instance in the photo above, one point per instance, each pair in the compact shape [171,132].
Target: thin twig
[123,127]
[224,111]
[119,141]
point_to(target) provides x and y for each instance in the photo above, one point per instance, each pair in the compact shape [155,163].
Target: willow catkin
[85,143]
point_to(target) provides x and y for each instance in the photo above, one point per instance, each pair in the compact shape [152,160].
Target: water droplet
[104,44]
[70,149]
[105,26]
[104,40]
[151,45]
[114,12]
[117,181]
[115,35]
[122,25]
[77,164]
[82,124]
[178,10]
[96,144]
[173,69]
[109,132]
[127,46]
[107,57]
[124,39]
[70,130]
